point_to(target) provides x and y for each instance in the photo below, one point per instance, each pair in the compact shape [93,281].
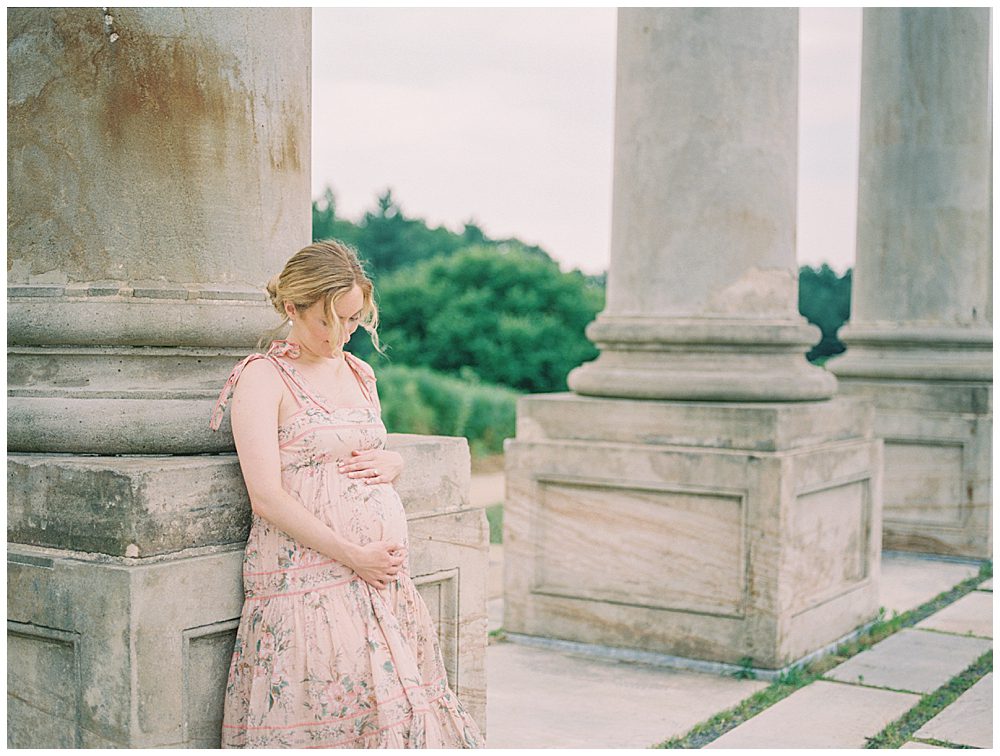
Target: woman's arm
[255,422]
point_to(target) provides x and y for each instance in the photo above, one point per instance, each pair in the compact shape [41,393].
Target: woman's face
[312,330]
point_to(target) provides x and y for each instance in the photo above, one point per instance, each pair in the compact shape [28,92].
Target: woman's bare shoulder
[260,376]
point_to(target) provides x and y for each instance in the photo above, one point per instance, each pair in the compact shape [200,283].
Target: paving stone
[540,698]
[973,613]
[968,720]
[914,744]
[987,586]
[911,660]
[820,715]
[909,580]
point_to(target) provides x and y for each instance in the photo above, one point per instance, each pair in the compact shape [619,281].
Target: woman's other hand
[373,465]
[378,563]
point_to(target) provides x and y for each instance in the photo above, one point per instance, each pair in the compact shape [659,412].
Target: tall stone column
[699,493]
[158,175]
[702,291]
[919,342]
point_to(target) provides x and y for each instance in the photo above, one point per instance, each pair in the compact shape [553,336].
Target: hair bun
[272,293]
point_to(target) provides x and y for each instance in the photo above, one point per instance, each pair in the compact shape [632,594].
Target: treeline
[488,310]
[493,313]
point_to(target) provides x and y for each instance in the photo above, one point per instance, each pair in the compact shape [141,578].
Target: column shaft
[702,290]
[919,342]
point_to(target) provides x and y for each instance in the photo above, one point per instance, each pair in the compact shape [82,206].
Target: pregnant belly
[371,512]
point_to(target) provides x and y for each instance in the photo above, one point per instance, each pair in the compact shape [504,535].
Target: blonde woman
[335,647]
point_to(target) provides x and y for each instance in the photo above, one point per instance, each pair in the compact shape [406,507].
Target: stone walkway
[564,697]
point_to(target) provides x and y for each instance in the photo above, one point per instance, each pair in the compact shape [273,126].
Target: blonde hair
[324,270]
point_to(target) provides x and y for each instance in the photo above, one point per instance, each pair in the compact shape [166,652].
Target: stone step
[967,721]
[919,661]
[971,614]
[820,715]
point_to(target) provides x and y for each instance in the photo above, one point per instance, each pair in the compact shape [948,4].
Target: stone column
[158,175]
[699,494]
[919,343]
[702,291]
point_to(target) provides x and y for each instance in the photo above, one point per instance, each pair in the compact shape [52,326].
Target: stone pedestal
[919,343]
[713,531]
[125,639]
[699,494]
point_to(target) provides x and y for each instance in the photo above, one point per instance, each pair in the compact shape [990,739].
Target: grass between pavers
[940,743]
[799,676]
[896,733]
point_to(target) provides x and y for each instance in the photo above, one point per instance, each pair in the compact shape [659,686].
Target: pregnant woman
[335,647]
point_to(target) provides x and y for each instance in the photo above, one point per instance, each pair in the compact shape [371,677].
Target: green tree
[390,240]
[504,316]
[825,301]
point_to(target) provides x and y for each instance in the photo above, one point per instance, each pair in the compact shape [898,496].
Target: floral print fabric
[323,659]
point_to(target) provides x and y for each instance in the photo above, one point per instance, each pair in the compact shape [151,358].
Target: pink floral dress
[322,658]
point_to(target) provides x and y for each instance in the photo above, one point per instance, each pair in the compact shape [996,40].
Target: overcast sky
[505,116]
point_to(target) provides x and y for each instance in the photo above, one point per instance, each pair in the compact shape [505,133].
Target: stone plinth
[919,344]
[108,650]
[714,531]
[938,445]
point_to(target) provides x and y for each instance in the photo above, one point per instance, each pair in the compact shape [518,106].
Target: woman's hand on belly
[372,465]
[378,563]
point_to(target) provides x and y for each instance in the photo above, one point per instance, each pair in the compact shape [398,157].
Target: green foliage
[745,671]
[418,400]
[500,315]
[825,301]
[494,516]
[389,240]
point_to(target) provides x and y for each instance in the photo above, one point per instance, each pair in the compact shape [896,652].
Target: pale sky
[505,116]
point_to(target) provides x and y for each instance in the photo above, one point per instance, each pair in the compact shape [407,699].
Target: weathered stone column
[700,494]
[702,290]
[158,175]
[919,343]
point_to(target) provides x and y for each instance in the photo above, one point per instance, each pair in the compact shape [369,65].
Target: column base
[736,531]
[702,359]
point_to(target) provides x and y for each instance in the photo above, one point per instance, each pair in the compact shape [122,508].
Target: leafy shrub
[418,400]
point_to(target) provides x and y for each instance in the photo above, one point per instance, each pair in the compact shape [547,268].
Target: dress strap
[366,378]
[278,348]
[227,391]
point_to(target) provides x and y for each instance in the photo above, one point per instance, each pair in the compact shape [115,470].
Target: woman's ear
[290,310]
